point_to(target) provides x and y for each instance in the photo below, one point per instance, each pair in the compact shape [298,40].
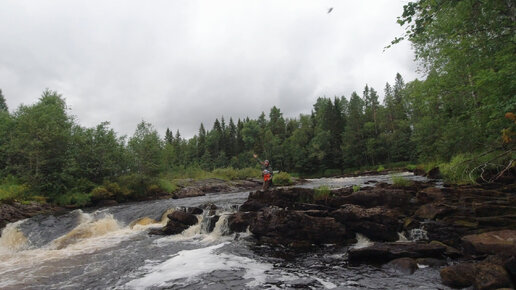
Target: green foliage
[332,172]
[167,186]
[356,188]
[282,178]
[380,168]
[100,193]
[400,181]
[73,199]
[322,192]
[411,167]
[11,190]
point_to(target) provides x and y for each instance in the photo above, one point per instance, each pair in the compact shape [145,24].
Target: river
[110,248]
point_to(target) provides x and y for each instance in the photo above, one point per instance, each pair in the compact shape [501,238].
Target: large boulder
[377,223]
[432,211]
[279,226]
[190,191]
[483,275]
[384,252]
[495,242]
[378,196]
[238,222]
[280,197]
[182,217]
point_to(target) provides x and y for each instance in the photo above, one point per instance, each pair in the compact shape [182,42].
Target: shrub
[380,168]
[136,184]
[356,188]
[322,192]
[100,193]
[73,199]
[167,186]
[400,181]
[11,190]
[228,173]
[411,167]
[282,178]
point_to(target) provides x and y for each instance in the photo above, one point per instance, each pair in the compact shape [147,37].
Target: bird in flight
[330,10]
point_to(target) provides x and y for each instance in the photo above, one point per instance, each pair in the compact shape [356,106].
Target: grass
[322,192]
[400,181]
[380,168]
[282,178]
[356,188]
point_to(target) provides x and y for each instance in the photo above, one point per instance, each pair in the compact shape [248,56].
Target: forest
[460,117]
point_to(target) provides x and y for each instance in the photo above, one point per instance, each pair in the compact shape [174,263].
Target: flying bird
[330,10]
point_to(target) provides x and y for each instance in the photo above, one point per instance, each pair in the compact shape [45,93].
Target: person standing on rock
[266,173]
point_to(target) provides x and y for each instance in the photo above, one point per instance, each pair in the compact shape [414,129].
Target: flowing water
[110,248]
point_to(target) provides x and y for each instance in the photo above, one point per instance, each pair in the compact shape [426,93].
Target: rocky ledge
[468,232]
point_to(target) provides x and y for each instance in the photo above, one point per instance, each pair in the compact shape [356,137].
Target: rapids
[110,248]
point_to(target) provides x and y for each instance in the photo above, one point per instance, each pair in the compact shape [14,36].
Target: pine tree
[3,104]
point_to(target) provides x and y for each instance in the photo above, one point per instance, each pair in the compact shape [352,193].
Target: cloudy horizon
[177,64]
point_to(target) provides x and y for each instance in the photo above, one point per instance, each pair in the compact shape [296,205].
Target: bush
[411,167]
[167,186]
[400,181]
[322,192]
[380,168]
[100,193]
[136,184]
[282,178]
[73,199]
[356,188]
[11,190]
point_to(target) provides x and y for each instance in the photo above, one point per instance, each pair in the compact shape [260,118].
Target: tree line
[463,107]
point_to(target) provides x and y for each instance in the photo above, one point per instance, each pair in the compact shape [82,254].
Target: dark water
[111,249]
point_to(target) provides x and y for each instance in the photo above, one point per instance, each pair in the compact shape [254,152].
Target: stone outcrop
[385,252]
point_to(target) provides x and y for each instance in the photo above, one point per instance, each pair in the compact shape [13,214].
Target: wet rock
[189,192]
[432,211]
[15,211]
[238,222]
[430,194]
[491,242]
[208,206]
[377,223]
[403,265]
[182,217]
[278,226]
[419,171]
[434,173]
[449,251]
[208,223]
[107,202]
[194,210]
[431,262]
[384,252]
[483,275]
[280,197]
[458,276]
[173,227]
[392,198]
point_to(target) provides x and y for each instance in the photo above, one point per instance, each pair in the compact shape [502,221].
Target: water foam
[189,264]
[12,239]
[362,242]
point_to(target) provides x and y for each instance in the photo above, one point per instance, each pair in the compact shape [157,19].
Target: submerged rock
[384,252]
[403,265]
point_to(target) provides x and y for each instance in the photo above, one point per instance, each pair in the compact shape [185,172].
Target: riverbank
[468,232]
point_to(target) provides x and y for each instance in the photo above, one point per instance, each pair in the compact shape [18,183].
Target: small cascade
[143,222]
[164,216]
[362,242]
[418,234]
[87,228]
[12,239]
[208,222]
[402,238]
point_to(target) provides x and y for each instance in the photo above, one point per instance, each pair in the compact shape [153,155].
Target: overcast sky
[179,63]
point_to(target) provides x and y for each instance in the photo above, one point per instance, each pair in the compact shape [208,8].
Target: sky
[176,64]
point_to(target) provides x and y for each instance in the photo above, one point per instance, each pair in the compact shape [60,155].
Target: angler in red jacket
[266,173]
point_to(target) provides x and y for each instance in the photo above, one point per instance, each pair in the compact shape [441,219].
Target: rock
[377,196]
[279,197]
[189,191]
[194,210]
[449,251]
[173,227]
[403,265]
[483,275]
[107,202]
[208,223]
[278,226]
[208,206]
[430,194]
[434,173]
[491,276]
[238,222]
[377,223]
[182,217]
[432,211]
[458,276]
[419,171]
[432,262]
[503,241]
[384,252]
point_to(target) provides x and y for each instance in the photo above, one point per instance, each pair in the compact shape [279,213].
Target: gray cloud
[179,63]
